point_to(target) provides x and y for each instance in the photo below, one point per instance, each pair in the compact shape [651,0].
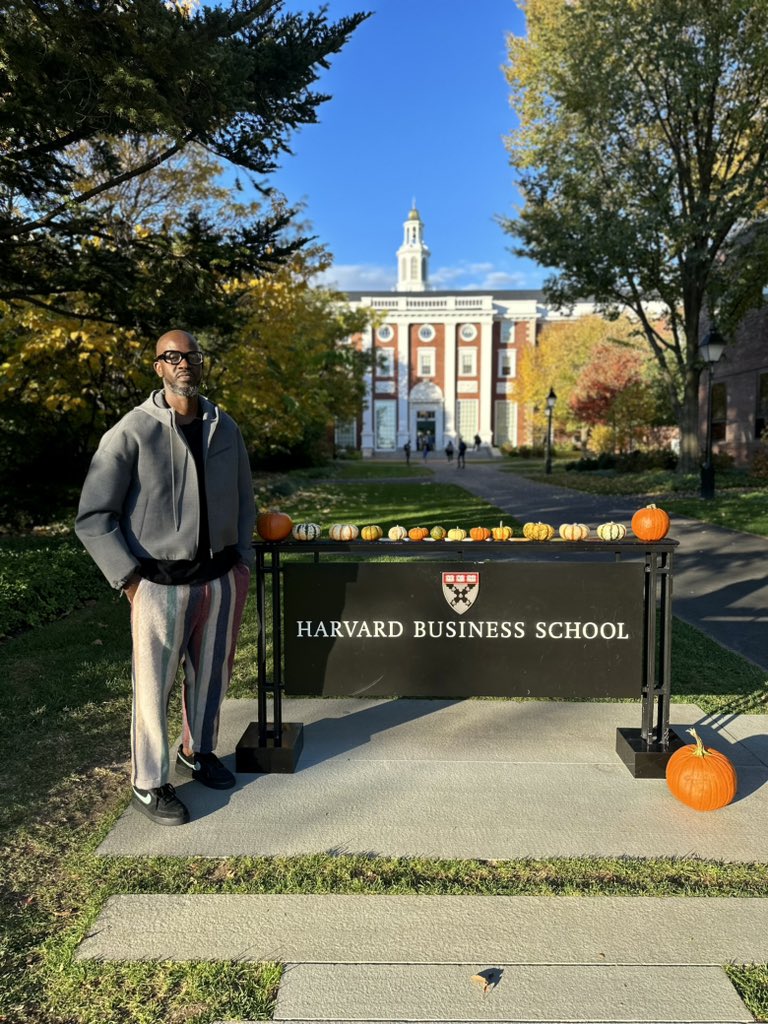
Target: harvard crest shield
[460,589]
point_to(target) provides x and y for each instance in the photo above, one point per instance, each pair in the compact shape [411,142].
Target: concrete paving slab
[525,992]
[385,929]
[505,779]
[749,731]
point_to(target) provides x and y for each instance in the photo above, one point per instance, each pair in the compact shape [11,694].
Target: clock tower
[412,256]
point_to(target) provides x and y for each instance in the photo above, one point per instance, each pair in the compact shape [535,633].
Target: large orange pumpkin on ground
[701,777]
[650,523]
[274,525]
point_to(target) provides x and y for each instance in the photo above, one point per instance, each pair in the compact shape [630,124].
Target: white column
[403,418]
[449,391]
[486,380]
[367,434]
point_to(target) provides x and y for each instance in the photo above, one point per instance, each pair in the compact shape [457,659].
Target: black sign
[464,629]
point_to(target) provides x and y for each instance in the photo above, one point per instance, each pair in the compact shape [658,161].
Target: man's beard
[183,390]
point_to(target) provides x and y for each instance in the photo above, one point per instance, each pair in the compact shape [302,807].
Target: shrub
[523,451]
[759,465]
[40,582]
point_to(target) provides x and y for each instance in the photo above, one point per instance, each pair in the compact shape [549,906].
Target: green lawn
[64,734]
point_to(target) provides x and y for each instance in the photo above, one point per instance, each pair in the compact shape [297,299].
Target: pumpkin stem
[700,750]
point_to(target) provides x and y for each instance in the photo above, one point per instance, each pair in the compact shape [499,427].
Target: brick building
[447,359]
[739,391]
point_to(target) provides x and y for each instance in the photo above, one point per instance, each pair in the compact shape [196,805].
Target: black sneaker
[205,768]
[161,805]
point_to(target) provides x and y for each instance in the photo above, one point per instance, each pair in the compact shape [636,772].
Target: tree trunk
[690,446]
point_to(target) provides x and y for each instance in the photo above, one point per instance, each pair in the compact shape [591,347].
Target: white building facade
[446,361]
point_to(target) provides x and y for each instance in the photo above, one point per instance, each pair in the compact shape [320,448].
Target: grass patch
[64,732]
[409,504]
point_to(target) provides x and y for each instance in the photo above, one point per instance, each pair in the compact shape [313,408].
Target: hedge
[40,582]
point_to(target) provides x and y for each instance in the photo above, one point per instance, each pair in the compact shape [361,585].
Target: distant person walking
[478,442]
[425,449]
[449,451]
[461,460]
[407,450]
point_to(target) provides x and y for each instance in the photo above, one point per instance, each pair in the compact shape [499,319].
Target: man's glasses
[174,357]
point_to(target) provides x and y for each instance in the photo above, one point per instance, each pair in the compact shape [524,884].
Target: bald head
[182,340]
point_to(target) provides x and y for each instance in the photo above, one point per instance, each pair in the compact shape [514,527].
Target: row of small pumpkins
[649,523]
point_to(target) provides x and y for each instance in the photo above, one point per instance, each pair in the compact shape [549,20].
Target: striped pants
[197,625]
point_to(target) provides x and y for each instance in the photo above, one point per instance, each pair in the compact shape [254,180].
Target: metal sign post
[569,620]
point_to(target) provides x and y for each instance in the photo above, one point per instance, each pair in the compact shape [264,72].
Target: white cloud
[479,276]
[356,277]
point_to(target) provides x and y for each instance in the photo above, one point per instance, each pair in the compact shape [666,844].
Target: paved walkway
[721,576]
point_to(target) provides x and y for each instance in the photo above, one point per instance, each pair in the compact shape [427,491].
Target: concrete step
[459,958]
[431,993]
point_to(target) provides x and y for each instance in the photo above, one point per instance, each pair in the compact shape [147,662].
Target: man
[167,513]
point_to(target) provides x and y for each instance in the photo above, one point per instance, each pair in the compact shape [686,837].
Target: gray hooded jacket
[140,498]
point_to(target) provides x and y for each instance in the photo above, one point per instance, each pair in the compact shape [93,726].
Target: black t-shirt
[204,566]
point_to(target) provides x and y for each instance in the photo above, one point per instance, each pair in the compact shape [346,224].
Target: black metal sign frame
[275,746]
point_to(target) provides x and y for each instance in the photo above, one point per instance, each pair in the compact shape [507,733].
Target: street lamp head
[712,346]
[551,398]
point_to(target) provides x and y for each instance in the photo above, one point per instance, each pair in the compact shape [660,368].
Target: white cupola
[412,256]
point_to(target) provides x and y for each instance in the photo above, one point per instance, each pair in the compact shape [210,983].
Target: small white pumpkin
[397,533]
[306,531]
[343,531]
[611,531]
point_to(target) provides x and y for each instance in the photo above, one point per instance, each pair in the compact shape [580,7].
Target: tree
[292,369]
[616,390]
[104,74]
[642,158]
[561,353]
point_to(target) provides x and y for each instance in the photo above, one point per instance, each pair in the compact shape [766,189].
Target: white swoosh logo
[144,799]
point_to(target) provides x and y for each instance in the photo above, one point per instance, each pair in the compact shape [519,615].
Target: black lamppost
[710,350]
[551,399]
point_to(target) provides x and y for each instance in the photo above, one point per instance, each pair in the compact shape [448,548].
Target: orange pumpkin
[701,777]
[502,532]
[480,533]
[274,525]
[650,523]
[418,533]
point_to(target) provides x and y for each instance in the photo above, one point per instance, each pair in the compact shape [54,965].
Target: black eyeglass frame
[194,358]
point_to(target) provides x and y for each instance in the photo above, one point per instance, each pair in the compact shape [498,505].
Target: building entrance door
[425,428]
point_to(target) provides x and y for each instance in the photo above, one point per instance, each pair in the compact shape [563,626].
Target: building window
[426,332]
[466,418]
[761,413]
[385,362]
[505,423]
[719,411]
[467,362]
[385,332]
[507,363]
[507,333]
[414,268]
[426,359]
[345,434]
[384,418]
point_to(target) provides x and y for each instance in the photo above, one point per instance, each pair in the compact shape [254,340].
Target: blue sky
[419,110]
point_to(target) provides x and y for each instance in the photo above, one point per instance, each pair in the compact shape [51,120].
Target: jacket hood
[158,408]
